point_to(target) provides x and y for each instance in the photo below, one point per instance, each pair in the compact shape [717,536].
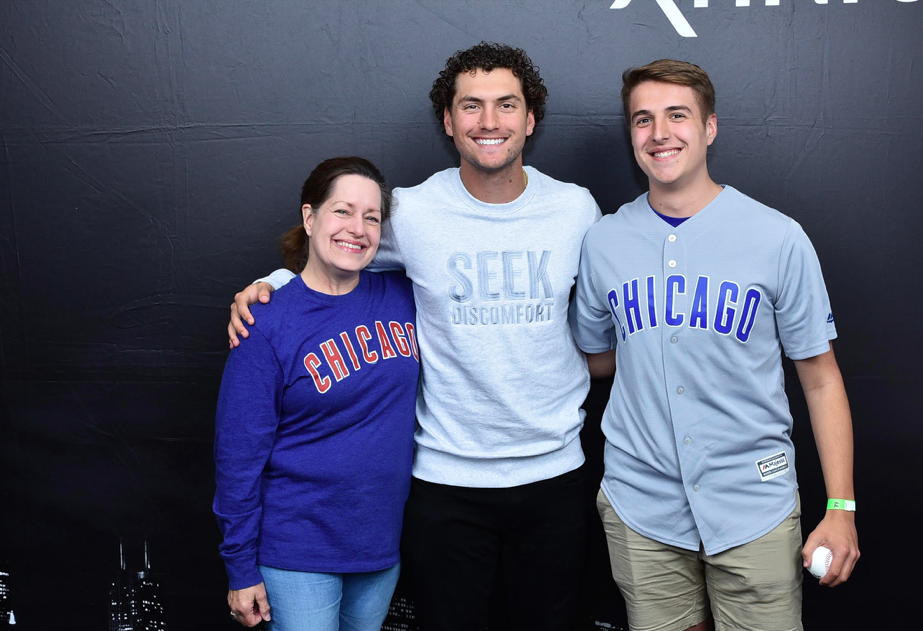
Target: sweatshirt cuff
[243,574]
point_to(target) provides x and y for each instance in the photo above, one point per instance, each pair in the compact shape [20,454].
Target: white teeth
[351,246]
[490,141]
[666,154]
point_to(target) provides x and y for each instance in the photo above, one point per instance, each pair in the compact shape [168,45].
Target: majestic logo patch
[830,318]
[773,466]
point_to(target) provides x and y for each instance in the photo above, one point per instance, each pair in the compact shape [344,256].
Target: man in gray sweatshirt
[492,248]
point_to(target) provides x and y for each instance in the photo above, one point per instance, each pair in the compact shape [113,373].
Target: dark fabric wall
[151,153]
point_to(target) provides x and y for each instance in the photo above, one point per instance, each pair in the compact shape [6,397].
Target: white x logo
[672,12]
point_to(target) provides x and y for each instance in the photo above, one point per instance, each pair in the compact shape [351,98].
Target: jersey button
[672,238]
[680,390]
[672,263]
[696,488]
[674,340]
[687,441]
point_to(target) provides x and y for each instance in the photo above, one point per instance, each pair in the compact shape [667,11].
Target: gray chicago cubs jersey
[698,426]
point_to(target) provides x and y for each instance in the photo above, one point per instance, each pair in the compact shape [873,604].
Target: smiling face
[345,231]
[489,121]
[670,136]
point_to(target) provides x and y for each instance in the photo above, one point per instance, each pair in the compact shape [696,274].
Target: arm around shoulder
[251,294]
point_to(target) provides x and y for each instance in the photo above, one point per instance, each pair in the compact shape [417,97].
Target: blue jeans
[316,601]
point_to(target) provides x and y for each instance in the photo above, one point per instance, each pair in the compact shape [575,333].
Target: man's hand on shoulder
[240,310]
[836,531]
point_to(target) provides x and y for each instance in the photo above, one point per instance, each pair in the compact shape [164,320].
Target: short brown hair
[670,71]
[316,190]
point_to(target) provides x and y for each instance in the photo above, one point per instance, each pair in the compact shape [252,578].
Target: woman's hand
[249,606]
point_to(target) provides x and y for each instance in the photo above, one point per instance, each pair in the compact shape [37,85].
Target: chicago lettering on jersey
[346,353]
[725,309]
[500,287]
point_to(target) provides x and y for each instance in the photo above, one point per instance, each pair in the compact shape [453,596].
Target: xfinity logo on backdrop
[685,30]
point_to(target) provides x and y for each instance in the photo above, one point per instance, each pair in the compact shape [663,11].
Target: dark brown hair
[670,71]
[316,190]
[486,56]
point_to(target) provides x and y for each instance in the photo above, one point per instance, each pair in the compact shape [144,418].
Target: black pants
[457,541]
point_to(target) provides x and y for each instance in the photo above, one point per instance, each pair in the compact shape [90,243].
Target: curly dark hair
[486,56]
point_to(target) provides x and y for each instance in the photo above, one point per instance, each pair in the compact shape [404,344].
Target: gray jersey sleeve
[802,306]
[590,319]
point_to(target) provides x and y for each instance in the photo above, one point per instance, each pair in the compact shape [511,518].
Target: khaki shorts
[753,586]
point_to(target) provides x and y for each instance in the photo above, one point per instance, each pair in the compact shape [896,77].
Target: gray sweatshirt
[502,381]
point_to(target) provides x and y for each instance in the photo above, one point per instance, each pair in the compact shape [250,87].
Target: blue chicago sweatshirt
[314,431]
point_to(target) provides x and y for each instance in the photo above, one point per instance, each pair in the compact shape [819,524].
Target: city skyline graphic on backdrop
[7,616]
[135,599]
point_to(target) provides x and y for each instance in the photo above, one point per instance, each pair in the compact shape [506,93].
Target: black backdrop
[152,152]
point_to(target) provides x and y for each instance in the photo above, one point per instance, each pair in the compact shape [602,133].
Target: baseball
[820,561]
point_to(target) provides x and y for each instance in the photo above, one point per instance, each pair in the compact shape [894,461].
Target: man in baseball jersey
[492,249]
[697,289]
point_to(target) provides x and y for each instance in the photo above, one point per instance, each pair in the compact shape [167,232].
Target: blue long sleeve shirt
[314,431]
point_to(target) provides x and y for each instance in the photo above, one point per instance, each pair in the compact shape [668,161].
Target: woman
[314,430]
